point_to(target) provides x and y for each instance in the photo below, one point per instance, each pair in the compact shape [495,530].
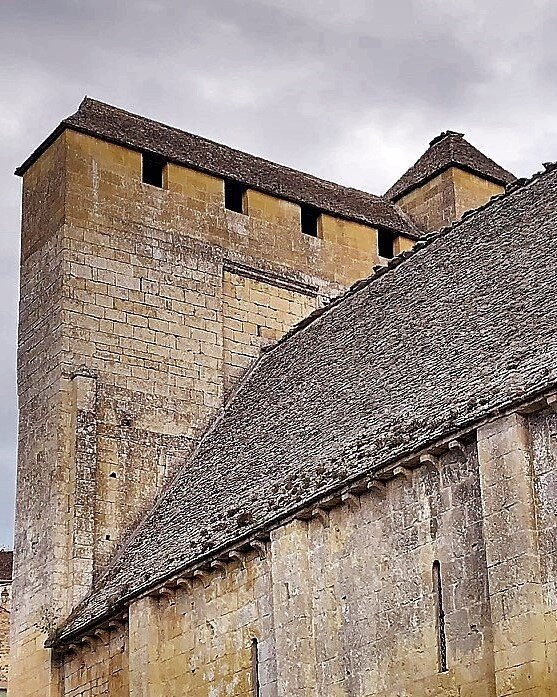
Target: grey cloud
[351,90]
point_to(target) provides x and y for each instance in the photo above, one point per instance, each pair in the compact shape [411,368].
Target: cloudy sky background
[351,90]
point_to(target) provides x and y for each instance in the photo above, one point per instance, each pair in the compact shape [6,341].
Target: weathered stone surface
[444,198]
[140,309]
[284,439]
[314,497]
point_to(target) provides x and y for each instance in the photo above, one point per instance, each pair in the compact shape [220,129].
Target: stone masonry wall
[126,292]
[4,643]
[43,474]
[256,313]
[342,605]
[444,198]
[100,668]
[431,205]
[5,608]
[544,451]
[472,191]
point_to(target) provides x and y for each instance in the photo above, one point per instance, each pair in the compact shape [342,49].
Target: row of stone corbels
[377,483]
[99,636]
[349,495]
[205,573]
[218,567]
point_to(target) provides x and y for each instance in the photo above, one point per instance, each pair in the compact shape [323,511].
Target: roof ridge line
[422,243]
[445,134]
[223,145]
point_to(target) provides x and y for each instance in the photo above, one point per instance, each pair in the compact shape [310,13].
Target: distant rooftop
[446,150]
[6,565]
[139,133]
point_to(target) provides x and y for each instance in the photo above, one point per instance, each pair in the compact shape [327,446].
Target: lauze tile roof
[446,150]
[464,326]
[130,130]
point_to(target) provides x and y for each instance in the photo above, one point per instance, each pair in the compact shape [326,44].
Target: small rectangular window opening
[256,690]
[385,244]
[152,170]
[309,217]
[440,618]
[235,196]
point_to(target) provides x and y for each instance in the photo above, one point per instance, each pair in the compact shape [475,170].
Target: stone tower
[450,178]
[155,265]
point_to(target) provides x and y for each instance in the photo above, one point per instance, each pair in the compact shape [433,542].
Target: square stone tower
[155,266]
[450,178]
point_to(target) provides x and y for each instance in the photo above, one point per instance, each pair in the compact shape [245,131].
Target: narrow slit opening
[440,618]
[152,170]
[385,244]
[235,196]
[256,691]
[309,220]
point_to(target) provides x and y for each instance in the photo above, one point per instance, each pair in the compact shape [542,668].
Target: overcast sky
[351,90]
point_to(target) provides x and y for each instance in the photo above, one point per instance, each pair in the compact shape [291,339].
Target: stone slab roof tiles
[6,565]
[446,150]
[463,327]
[130,130]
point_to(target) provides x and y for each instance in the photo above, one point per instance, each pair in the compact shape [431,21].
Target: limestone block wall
[99,668]
[431,205]
[445,197]
[5,610]
[472,191]
[43,471]
[4,642]
[341,604]
[544,492]
[256,313]
[345,603]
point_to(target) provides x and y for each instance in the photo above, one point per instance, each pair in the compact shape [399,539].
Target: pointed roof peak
[443,135]
[448,149]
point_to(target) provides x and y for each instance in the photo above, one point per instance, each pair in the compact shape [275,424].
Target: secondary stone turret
[450,178]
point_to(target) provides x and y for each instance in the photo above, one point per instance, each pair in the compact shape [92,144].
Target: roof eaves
[47,142]
[453,163]
[69,123]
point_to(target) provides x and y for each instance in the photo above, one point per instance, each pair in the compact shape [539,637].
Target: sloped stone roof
[448,149]
[130,130]
[464,326]
[6,565]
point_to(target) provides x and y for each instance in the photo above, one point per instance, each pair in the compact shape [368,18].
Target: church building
[279,437]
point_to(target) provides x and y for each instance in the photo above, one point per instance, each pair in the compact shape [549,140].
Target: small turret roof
[446,150]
